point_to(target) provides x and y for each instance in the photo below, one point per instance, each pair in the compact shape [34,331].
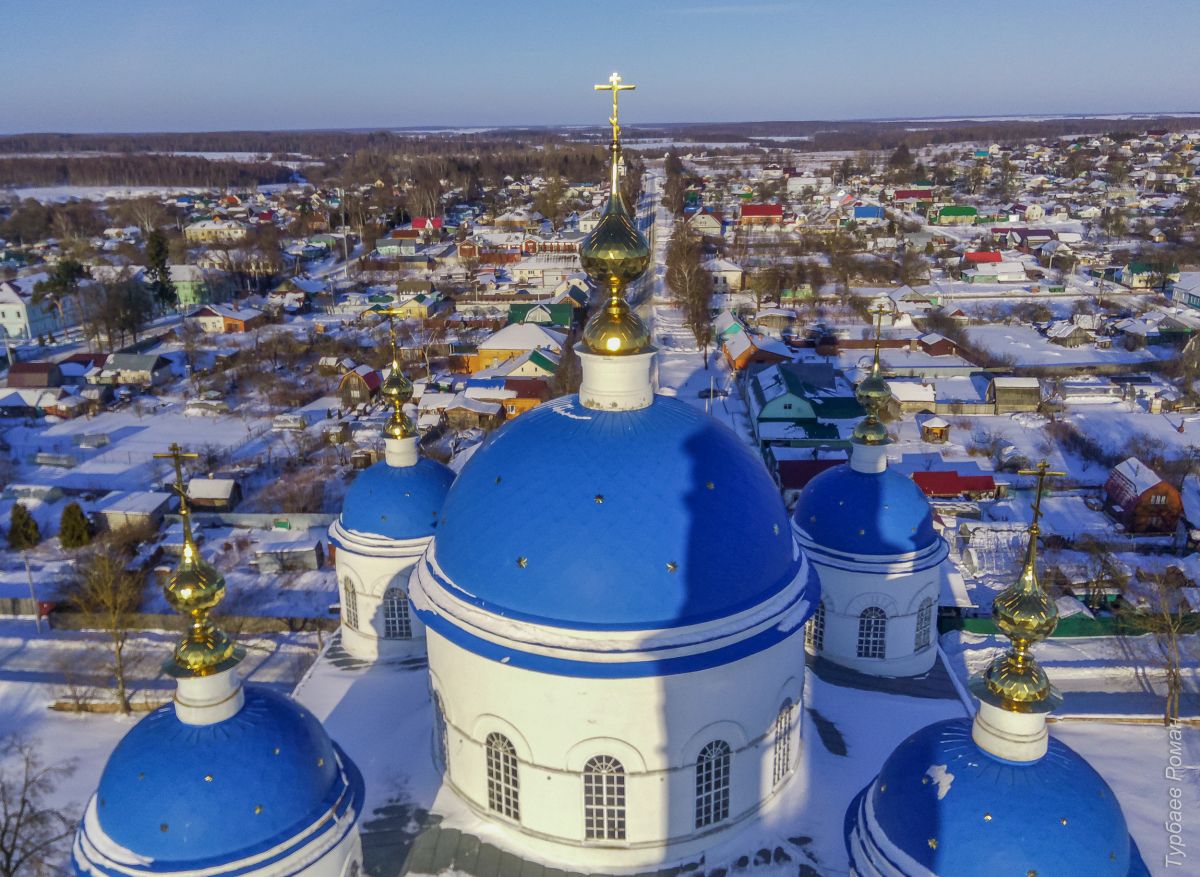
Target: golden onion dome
[873,393]
[1025,614]
[616,330]
[615,253]
[397,386]
[194,585]
[869,431]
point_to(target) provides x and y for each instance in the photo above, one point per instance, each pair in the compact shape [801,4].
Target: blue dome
[865,512]
[202,795]
[615,520]
[956,810]
[397,502]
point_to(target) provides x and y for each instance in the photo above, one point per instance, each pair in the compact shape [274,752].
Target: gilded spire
[615,254]
[193,589]
[397,389]
[1026,615]
[873,393]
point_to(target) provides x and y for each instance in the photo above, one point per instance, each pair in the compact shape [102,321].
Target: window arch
[712,783]
[503,781]
[814,634]
[603,799]
[396,621]
[872,633]
[782,757]
[924,625]
[349,604]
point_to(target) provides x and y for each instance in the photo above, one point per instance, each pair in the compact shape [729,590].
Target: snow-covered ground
[1027,347]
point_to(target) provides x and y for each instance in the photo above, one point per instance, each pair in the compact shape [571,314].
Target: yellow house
[215,231]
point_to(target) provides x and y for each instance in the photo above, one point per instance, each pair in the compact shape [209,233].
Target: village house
[34,375]
[727,276]
[21,317]
[213,494]
[215,231]
[1140,500]
[513,341]
[801,404]
[951,484]
[195,285]
[1013,394]
[359,386]
[761,214]
[136,369]
[226,320]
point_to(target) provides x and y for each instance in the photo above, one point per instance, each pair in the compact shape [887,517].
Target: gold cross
[615,86]
[1042,471]
[177,455]
[879,310]
[391,314]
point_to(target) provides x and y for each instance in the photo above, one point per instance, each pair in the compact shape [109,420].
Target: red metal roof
[952,483]
[762,210]
[980,257]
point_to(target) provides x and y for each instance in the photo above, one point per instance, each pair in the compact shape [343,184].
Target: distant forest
[137,170]
[468,159]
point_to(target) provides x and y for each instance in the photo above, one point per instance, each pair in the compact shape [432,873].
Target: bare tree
[33,835]
[1162,610]
[108,595]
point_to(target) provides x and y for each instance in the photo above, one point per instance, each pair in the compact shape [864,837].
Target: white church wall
[845,594]
[655,726]
[371,577]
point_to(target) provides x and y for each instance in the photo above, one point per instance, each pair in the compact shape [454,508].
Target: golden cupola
[194,589]
[1026,614]
[873,394]
[397,390]
[614,255]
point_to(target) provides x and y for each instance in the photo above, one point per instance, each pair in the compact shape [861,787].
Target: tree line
[138,170]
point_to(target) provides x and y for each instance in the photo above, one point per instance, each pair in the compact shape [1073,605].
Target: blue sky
[264,64]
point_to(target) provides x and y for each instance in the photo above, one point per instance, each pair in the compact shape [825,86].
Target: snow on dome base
[397,502]
[196,796]
[865,513]
[942,806]
[615,520]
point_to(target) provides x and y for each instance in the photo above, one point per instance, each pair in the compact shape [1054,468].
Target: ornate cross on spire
[1025,614]
[397,389]
[193,589]
[1042,471]
[878,311]
[615,85]
[177,455]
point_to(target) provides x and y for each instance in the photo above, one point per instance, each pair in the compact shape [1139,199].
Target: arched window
[603,799]
[396,624]
[782,757]
[712,784]
[349,604]
[872,633]
[814,634]
[503,784]
[441,748]
[924,624]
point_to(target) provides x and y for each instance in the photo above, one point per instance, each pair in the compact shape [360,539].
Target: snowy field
[1027,347]
[135,433]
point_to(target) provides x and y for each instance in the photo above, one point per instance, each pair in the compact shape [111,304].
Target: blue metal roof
[615,520]
[956,810]
[193,796]
[868,211]
[397,502]
[865,512]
